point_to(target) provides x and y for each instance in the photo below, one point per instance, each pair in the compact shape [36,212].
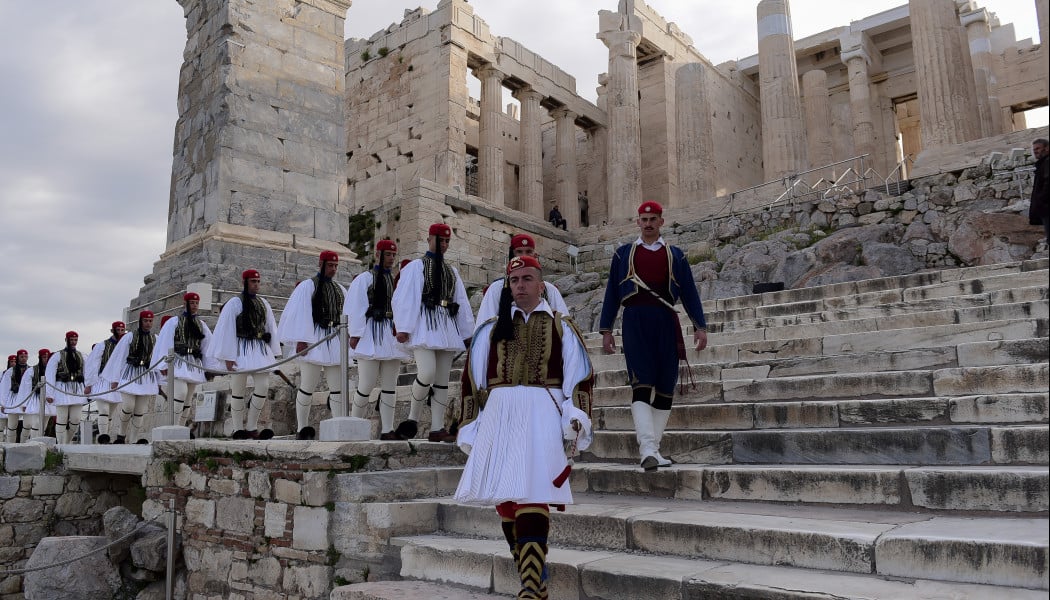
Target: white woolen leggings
[433,367]
[238,387]
[370,372]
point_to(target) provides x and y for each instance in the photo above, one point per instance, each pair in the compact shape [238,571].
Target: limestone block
[200,511]
[187,478]
[310,528]
[315,488]
[47,485]
[100,582]
[22,510]
[796,414]
[150,550]
[992,551]
[345,429]
[118,522]
[1000,408]
[944,445]
[1020,445]
[24,457]
[9,485]
[287,491]
[1017,489]
[274,520]
[445,561]
[75,504]
[235,514]
[307,582]
[226,487]
[1004,379]
[259,485]
[819,484]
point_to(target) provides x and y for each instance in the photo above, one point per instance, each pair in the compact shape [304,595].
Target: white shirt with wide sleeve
[248,354]
[410,317]
[377,338]
[193,372]
[297,325]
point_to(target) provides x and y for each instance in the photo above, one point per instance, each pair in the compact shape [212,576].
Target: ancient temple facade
[286,130]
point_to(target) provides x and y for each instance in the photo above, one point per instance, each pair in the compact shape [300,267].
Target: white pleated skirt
[518,451]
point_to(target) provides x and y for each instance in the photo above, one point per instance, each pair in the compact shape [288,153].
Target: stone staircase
[875,439]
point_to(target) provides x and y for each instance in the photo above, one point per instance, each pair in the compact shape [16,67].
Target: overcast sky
[88,116]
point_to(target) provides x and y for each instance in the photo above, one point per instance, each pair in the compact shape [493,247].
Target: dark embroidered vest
[251,323]
[17,372]
[107,351]
[188,336]
[141,350]
[70,367]
[532,357]
[375,312]
[327,302]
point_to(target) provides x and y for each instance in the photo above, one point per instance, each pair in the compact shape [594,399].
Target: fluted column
[857,60]
[624,162]
[597,177]
[818,117]
[948,112]
[696,168]
[783,137]
[490,143]
[530,176]
[985,81]
[565,165]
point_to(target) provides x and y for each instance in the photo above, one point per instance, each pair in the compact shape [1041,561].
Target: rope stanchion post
[169,575]
[344,365]
[169,384]
[41,391]
[85,425]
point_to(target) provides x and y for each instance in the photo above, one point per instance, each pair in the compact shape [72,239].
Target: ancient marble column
[977,34]
[597,177]
[624,162]
[783,136]
[948,112]
[565,166]
[530,175]
[696,168]
[490,142]
[857,60]
[818,118]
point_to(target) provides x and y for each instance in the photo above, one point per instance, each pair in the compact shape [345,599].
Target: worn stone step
[1011,551]
[940,445]
[966,489]
[606,575]
[402,590]
[935,336]
[1029,272]
[992,408]
[1003,352]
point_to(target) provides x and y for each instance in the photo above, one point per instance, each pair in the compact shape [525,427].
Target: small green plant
[329,506]
[706,256]
[363,226]
[211,464]
[170,469]
[340,580]
[384,51]
[332,556]
[357,462]
[365,55]
[410,67]
[52,459]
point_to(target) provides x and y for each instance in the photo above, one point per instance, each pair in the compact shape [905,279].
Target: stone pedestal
[624,155]
[783,136]
[345,429]
[170,432]
[259,145]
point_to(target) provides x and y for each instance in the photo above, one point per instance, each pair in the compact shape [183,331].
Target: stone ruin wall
[39,498]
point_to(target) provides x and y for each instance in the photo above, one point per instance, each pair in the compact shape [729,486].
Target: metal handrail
[898,171]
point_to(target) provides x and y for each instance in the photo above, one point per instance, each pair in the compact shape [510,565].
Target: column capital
[624,43]
[855,53]
[563,112]
[487,71]
[974,17]
[527,93]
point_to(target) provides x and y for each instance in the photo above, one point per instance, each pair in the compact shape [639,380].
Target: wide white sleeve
[271,326]
[224,338]
[115,365]
[555,299]
[92,363]
[209,362]
[25,387]
[406,301]
[52,369]
[490,302]
[465,316]
[576,367]
[297,318]
[356,304]
[5,388]
[165,341]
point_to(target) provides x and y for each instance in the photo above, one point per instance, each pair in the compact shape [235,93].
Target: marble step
[1030,408]
[1027,271]
[999,379]
[621,575]
[997,550]
[941,445]
[403,590]
[848,321]
[947,488]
